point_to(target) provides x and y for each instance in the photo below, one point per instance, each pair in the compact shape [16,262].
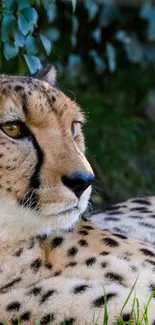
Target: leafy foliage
[18,27]
[29,27]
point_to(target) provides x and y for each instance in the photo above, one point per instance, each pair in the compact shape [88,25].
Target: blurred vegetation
[105,57]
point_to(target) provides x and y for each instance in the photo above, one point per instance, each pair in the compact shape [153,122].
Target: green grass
[137,316]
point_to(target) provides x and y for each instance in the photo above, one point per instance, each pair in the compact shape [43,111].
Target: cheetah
[56,267]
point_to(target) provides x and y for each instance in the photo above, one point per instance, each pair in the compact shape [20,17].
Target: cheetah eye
[15,130]
[74,129]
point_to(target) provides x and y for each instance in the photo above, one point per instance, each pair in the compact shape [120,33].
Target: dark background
[104,52]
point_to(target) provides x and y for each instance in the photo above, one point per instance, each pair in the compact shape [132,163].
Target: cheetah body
[54,267]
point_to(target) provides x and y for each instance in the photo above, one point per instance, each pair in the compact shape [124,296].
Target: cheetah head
[44,176]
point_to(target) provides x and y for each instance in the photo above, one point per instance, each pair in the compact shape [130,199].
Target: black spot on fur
[83,232]
[104,264]
[15,321]
[13,306]
[152,287]
[35,265]
[120,236]
[68,321]
[71,264]
[115,207]
[99,302]
[135,217]
[90,261]
[57,273]
[57,241]
[128,254]
[104,253]
[83,242]
[47,295]
[114,277]
[10,167]
[87,227]
[134,269]
[48,266]
[150,262]
[140,209]
[110,242]
[141,201]
[19,88]
[31,243]
[42,237]
[72,251]
[147,225]
[53,98]
[118,230]
[111,219]
[47,319]
[25,316]
[113,213]
[35,291]
[147,252]
[125,258]
[80,289]
[126,317]
[10,284]
[18,252]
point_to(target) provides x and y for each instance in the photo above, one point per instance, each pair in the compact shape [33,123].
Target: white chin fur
[23,222]
[83,202]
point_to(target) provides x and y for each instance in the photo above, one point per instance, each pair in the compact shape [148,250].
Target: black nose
[78,182]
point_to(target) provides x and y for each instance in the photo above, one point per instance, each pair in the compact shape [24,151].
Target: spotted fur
[134,218]
[54,267]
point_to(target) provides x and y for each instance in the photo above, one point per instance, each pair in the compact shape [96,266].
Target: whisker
[98,188]
[25,195]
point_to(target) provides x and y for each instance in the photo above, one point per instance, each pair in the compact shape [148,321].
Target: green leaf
[23,25]
[19,37]
[5,27]
[10,49]
[73,5]
[33,63]
[23,4]
[111,56]
[46,3]
[31,46]
[30,14]
[46,43]
[31,26]
[37,2]
[9,4]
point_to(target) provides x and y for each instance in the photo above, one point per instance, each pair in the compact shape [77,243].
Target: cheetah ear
[48,73]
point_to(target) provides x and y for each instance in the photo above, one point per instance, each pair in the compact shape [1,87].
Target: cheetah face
[43,169]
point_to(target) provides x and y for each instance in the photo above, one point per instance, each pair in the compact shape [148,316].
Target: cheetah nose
[78,182]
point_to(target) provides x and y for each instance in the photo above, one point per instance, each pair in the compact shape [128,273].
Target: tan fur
[48,273]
